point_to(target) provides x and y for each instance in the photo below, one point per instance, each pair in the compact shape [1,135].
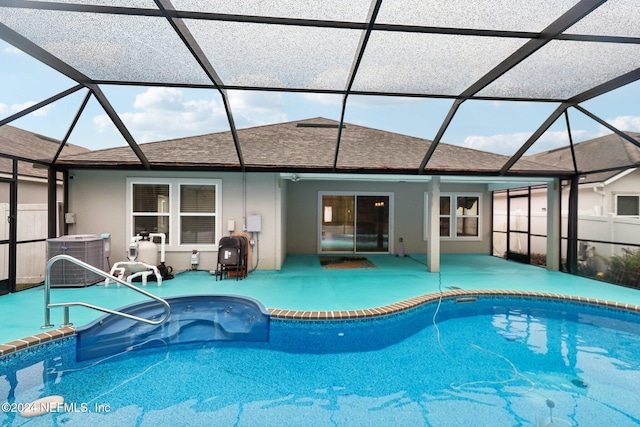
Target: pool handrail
[47,295]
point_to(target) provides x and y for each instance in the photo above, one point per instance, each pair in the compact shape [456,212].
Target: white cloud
[500,144]
[16,108]
[159,99]
[257,108]
[323,98]
[509,144]
[165,113]
[623,123]
[12,50]
[103,123]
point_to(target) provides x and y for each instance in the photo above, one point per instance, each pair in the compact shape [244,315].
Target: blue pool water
[490,362]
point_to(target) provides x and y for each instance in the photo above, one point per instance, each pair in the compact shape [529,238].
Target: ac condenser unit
[85,247]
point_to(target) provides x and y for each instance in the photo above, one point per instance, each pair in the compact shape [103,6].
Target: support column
[52,203]
[433,208]
[553,225]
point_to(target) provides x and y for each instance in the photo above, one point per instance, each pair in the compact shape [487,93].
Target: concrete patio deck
[303,285]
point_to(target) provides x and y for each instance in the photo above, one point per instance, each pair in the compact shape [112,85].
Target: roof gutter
[457,179]
[620,175]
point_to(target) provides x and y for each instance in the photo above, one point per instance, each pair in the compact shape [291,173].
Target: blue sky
[153,114]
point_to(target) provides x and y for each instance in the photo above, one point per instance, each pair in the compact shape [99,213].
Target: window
[197,214]
[151,208]
[459,216]
[628,205]
[185,210]
[467,216]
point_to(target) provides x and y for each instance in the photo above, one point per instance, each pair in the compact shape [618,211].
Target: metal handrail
[66,305]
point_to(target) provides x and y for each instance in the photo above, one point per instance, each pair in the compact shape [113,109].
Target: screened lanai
[448,63]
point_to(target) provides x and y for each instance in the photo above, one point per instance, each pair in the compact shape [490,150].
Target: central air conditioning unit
[85,247]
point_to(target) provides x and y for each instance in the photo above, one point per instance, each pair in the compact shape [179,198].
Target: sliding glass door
[354,222]
[338,220]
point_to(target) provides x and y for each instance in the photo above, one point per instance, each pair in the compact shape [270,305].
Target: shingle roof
[30,146]
[306,145]
[599,154]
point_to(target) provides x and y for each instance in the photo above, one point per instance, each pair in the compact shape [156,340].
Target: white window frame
[637,196]
[174,216]
[453,216]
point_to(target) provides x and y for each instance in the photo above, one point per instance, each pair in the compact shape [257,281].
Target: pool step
[194,318]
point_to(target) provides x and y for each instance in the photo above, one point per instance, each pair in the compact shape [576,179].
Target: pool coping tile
[426,298]
[21,344]
[277,313]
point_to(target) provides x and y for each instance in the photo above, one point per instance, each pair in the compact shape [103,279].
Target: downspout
[52,202]
[599,189]
[244,201]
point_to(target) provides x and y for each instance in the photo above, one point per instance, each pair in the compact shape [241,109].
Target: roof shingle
[307,145]
[598,154]
[27,145]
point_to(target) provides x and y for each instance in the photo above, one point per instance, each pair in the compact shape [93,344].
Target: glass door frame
[355,195]
[518,256]
[8,284]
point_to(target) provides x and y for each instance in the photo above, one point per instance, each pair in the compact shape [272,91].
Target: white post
[611,232]
[433,244]
[553,225]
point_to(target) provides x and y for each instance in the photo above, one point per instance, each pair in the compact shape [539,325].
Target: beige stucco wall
[408,215]
[289,212]
[628,184]
[98,198]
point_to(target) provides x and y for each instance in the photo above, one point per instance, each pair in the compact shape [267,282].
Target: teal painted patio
[303,285]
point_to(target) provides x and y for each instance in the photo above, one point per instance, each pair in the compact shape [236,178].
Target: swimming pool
[486,361]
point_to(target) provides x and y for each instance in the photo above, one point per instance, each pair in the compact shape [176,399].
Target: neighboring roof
[607,156]
[25,145]
[306,145]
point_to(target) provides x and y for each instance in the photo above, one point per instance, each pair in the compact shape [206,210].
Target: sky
[154,113]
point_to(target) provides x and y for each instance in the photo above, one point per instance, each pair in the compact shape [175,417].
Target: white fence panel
[609,229]
[590,227]
[32,257]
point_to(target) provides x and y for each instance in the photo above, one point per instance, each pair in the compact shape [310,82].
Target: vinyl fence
[31,257]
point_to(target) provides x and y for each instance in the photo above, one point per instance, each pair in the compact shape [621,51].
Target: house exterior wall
[98,199]
[628,184]
[289,212]
[589,202]
[408,216]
